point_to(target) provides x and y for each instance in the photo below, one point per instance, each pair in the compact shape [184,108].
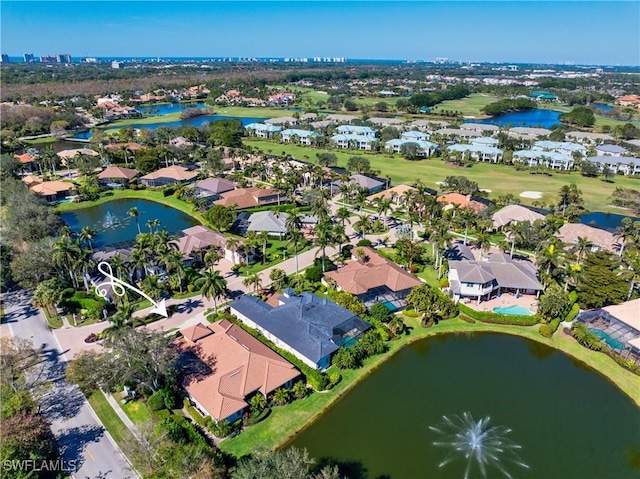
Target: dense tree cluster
[435,97]
[506,105]
[31,120]
[579,116]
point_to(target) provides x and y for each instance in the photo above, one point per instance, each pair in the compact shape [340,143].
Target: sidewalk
[115,405]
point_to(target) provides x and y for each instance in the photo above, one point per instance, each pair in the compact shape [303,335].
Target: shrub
[173,430]
[156,401]
[364,242]
[380,312]
[169,399]
[573,312]
[487,317]
[335,378]
[573,296]
[190,288]
[444,282]
[221,428]
[168,191]
[313,273]
[585,337]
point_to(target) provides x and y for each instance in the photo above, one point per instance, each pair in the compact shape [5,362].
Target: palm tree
[253,280]
[84,263]
[293,225]
[232,245]
[152,223]
[120,320]
[627,233]
[323,237]
[88,234]
[134,213]
[340,236]
[212,286]
[362,225]
[483,241]
[383,206]
[172,262]
[152,286]
[263,236]
[583,244]
[65,255]
[396,325]
[295,238]
[119,265]
[281,396]
[212,257]
[343,215]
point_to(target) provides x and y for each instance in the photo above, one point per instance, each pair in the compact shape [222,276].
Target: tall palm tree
[85,262]
[152,224]
[172,262]
[340,236]
[627,233]
[119,265]
[65,254]
[383,206]
[87,234]
[232,245]
[295,238]
[362,225]
[343,215]
[263,236]
[152,286]
[135,213]
[483,241]
[293,225]
[120,320]
[323,237]
[253,280]
[212,256]
[212,286]
[583,244]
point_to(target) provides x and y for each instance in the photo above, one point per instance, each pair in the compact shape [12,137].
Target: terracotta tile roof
[570,232]
[200,237]
[66,154]
[464,201]
[396,191]
[31,180]
[118,172]
[357,277]
[178,173]
[241,366]
[130,146]
[48,188]
[245,197]
[24,158]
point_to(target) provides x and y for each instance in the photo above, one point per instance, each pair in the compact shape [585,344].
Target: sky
[582,32]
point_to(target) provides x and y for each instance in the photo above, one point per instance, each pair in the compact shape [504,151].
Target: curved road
[80,435]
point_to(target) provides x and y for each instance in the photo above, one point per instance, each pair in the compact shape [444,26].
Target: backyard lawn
[136,410]
[109,418]
[500,179]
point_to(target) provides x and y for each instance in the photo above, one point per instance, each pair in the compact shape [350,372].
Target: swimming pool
[612,343]
[514,310]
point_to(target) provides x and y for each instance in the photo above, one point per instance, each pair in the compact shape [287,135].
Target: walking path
[121,414]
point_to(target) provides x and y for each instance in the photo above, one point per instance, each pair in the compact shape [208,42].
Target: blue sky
[548,31]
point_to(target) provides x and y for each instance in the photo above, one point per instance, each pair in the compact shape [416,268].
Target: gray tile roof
[268,221]
[506,272]
[311,325]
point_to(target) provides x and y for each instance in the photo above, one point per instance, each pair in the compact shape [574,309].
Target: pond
[114,225]
[537,117]
[570,421]
[167,108]
[605,221]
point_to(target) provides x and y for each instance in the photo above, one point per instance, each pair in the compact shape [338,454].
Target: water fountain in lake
[110,220]
[479,443]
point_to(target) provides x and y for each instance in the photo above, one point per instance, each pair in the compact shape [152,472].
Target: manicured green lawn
[500,179]
[37,141]
[109,418]
[137,411]
[286,421]
[53,320]
[430,275]
[468,107]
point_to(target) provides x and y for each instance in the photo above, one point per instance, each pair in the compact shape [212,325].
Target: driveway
[80,435]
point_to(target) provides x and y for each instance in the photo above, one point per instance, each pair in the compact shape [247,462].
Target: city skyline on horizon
[471,32]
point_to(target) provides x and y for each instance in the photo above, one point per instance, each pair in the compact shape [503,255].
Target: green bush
[169,399]
[221,428]
[573,312]
[495,318]
[467,318]
[585,337]
[573,296]
[156,401]
[335,378]
[168,191]
[444,282]
[364,242]
[380,312]
[173,430]
[411,313]
[313,273]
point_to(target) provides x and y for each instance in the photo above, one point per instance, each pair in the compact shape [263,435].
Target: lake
[570,421]
[113,224]
[537,117]
[194,121]
[605,221]
[167,108]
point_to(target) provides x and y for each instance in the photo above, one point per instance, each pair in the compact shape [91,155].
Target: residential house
[283,98]
[356,130]
[589,138]
[66,155]
[428,125]
[51,191]
[273,222]
[226,366]
[372,185]
[550,159]
[629,100]
[304,137]
[27,160]
[457,133]
[242,198]
[424,148]
[599,238]
[172,175]
[130,147]
[514,214]
[528,133]
[564,147]
[621,325]
[626,165]
[263,131]
[180,142]
[463,201]
[116,176]
[481,128]
[484,141]
[374,279]
[195,241]
[477,152]
[415,135]
[611,150]
[320,124]
[397,195]
[310,327]
[360,142]
[283,120]
[211,188]
[481,280]
[337,118]
[384,122]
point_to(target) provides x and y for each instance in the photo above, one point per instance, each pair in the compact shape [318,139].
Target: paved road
[80,435]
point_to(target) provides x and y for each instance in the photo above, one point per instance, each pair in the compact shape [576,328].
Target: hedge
[573,312]
[488,317]
[318,380]
[547,330]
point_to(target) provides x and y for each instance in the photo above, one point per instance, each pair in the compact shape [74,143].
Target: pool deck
[505,300]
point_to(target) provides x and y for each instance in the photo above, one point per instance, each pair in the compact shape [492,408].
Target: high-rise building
[47,59]
[5,58]
[29,58]
[63,58]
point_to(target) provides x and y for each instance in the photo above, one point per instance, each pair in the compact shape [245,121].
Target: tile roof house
[172,175]
[49,190]
[424,148]
[373,278]
[550,159]
[601,239]
[624,164]
[397,194]
[263,131]
[484,279]
[65,155]
[243,198]
[479,127]
[589,137]
[611,150]
[528,133]
[514,214]
[116,176]
[283,120]
[212,188]
[304,137]
[226,366]
[458,132]
[371,184]
[478,152]
[352,140]
[308,326]
[565,147]
[463,201]
[195,241]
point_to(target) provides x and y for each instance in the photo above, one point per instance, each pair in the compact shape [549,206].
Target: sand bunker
[534,195]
